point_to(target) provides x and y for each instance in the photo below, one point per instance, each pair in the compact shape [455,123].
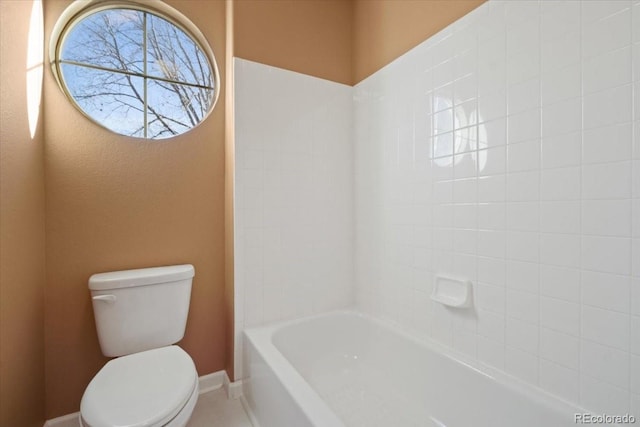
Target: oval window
[135,72]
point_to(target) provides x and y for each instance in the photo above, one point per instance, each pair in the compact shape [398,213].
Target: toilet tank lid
[140,277]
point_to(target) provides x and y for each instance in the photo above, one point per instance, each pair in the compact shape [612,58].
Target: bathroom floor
[214,409]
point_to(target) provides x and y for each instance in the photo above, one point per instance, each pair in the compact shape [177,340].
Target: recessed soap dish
[452,292]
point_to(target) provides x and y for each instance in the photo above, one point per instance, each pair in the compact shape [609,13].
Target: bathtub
[348,369]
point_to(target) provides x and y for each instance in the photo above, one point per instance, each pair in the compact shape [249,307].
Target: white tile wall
[293,196]
[506,149]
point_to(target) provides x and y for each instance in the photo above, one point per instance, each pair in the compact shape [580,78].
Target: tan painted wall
[339,40]
[385,29]
[22,233]
[229,191]
[115,202]
[308,36]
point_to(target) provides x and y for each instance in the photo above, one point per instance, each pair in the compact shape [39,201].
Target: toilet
[140,315]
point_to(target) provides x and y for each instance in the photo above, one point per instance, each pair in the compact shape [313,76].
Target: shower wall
[293,196]
[505,150]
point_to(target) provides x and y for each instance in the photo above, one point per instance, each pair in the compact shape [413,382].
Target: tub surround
[293,196]
[504,150]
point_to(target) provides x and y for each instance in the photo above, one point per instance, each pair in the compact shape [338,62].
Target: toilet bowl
[151,383]
[149,389]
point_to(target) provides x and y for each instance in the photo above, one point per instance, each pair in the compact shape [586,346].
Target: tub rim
[313,405]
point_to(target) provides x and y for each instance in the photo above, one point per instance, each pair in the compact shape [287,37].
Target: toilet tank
[143,309]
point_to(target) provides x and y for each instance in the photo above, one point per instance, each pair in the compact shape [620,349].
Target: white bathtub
[347,369]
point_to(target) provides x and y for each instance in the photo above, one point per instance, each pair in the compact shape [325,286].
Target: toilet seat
[145,389]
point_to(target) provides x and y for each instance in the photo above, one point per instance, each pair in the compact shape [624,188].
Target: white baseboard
[206,383]
[212,381]
[70,420]
[233,389]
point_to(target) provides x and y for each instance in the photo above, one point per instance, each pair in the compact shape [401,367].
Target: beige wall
[22,235]
[229,190]
[115,202]
[339,40]
[310,36]
[385,29]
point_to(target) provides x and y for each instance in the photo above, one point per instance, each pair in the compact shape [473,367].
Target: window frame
[79,10]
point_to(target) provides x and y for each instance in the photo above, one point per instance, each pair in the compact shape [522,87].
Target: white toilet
[139,315]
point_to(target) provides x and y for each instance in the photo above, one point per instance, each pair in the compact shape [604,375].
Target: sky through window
[136,73]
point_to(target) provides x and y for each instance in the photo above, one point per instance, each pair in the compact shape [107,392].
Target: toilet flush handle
[106,298]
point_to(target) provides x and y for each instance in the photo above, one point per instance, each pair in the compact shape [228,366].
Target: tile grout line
[539,325]
[580,225]
[633,130]
[504,226]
